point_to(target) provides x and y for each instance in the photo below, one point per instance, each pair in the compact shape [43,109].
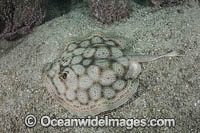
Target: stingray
[94,74]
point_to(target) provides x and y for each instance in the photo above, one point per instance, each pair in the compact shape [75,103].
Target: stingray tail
[147,58]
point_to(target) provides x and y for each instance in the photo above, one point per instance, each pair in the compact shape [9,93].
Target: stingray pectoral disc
[90,76]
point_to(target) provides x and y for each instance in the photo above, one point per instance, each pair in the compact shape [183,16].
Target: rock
[109,11]
[18,17]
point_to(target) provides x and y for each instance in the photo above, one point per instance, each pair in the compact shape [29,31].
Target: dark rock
[18,17]
[109,11]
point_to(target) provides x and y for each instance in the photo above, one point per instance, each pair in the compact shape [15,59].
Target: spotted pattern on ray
[93,74]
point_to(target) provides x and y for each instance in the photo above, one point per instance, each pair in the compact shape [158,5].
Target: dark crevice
[2,25]
[57,8]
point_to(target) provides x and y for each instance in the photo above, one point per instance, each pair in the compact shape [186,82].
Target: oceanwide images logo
[46,121]
[130,123]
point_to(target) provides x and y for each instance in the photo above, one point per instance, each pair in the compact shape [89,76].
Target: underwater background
[169,88]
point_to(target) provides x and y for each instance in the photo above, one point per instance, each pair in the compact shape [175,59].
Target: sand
[169,88]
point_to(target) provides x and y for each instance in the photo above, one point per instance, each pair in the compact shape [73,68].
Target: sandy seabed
[169,88]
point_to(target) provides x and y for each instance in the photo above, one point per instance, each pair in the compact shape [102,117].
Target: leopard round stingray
[89,77]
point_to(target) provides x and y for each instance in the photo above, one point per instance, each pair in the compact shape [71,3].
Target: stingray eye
[63,75]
